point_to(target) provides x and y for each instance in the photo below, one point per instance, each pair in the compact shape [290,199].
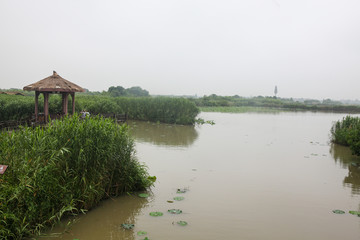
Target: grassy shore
[243,109]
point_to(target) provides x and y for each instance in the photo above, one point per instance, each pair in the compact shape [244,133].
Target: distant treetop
[131,92]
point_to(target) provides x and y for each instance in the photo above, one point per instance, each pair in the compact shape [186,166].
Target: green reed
[154,109]
[65,168]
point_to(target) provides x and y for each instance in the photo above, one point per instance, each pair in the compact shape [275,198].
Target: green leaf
[170,201]
[182,223]
[127,226]
[175,211]
[152,178]
[156,214]
[337,211]
[143,195]
[354,212]
[179,198]
[141,233]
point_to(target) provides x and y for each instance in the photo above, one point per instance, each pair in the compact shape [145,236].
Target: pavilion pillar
[73,102]
[65,98]
[46,106]
[36,105]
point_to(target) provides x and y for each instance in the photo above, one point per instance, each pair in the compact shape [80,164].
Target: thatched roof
[54,83]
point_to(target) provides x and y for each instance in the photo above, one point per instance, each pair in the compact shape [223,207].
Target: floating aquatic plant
[184,190]
[179,198]
[141,233]
[156,214]
[170,201]
[175,211]
[143,195]
[128,226]
[182,223]
[355,212]
[337,211]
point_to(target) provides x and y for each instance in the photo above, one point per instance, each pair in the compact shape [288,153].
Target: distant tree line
[275,102]
[120,91]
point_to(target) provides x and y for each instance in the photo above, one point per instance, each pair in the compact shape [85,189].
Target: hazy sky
[308,48]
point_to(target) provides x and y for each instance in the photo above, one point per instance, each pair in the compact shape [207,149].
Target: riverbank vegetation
[63,169]
[154,109]
[238,104]
[347,132]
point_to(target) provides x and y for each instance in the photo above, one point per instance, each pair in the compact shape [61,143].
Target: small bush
[347,132]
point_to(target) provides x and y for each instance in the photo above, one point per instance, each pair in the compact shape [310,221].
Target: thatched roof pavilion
[54,84]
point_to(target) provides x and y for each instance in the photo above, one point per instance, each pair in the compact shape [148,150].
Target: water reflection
[343,156]
[104,222]
[163,134]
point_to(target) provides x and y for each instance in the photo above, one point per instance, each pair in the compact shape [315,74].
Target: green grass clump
[65,168]
[347,132]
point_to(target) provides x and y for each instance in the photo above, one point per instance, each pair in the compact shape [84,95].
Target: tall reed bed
[154,109]
[347,132]
[14,107]
[65,168]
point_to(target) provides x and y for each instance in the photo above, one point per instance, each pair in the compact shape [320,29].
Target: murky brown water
[250,176]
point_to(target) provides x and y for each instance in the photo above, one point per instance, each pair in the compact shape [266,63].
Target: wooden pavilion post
[36,105]
[73,102]
[46,106]
[65,97]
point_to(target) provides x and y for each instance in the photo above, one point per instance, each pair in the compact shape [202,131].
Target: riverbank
[232,103]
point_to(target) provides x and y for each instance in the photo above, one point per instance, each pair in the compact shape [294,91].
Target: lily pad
[143,195]
[128,226]
[141,233]
[175,211]
[182,223]
[156,214]
[337,211]
[181,190]
[355,212]
[179,198]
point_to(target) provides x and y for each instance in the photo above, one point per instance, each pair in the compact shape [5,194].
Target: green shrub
[347,132]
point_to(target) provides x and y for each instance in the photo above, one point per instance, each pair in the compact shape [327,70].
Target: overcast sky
[308,48]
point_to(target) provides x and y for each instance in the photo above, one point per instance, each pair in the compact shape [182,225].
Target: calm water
[250,176]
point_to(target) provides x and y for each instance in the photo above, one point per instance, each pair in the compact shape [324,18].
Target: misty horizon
[309,49]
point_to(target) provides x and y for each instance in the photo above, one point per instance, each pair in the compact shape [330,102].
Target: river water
[249,176]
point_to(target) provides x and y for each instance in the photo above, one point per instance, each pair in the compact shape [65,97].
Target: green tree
[137,91]
[116,91]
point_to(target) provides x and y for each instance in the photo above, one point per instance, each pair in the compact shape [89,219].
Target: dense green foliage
[347,132]
[274,102]
[155,109]
[65,168]
[119,91]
